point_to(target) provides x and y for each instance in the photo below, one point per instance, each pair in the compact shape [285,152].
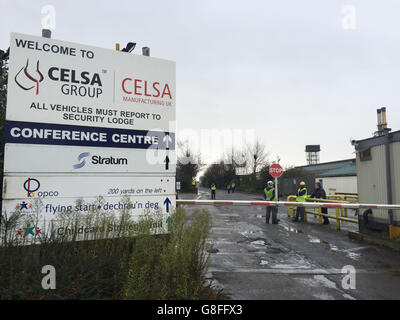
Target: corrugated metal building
[378,172]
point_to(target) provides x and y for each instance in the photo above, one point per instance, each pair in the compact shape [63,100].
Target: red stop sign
[275,170]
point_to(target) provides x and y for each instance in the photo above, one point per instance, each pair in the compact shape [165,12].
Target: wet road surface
[255,260]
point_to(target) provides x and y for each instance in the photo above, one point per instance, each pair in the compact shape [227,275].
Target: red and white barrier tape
[291,204]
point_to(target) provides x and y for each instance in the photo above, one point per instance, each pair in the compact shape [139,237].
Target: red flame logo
[30,77]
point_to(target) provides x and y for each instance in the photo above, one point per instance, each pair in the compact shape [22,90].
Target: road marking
[331,271]
[221,230]
[357,249]
[212,241]
[252,253]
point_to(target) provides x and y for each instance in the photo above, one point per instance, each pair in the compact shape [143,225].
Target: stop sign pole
[275,170]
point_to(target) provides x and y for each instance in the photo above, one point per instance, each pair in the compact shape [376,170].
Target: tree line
[248,169]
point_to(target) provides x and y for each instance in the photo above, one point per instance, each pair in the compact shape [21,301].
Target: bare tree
[188,165]
[236,158]
[257,156]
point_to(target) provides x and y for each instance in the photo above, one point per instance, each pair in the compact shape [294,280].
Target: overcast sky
[287,69]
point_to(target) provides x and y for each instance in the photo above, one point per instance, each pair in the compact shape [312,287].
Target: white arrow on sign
[167,139]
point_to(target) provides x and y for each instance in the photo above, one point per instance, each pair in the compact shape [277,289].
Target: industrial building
[340,181]
[378,172]
[337,177]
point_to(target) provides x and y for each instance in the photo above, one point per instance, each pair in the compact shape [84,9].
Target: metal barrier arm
[291,204]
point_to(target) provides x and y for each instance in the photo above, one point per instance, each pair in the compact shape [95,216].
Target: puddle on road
[319,281]
[333,247]
[252,234]
[258,243]
[287,261]
[349,252]
[254,241]
[313,239]
[291,229]
[353,255]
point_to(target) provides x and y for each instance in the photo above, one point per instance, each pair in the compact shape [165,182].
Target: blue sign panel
[56,134]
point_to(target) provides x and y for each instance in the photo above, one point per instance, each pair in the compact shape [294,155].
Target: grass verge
[131,266]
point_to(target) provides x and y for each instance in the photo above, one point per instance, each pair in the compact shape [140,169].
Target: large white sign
[34,232]
[53,81]
[77,118]
[48,208]
[84,186]
[57,159]
[81,219]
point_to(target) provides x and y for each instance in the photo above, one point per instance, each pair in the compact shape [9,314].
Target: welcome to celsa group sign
[78,117]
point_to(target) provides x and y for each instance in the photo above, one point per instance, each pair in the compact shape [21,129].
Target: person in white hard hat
[269,195]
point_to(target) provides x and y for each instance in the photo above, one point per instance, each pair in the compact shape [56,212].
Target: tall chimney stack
[382,122]
[379,115]
[383,114]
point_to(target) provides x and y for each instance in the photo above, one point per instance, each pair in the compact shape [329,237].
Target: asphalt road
[255,260]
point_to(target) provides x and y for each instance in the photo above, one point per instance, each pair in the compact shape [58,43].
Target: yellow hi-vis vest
[303,197]
[270,194]
[213,188]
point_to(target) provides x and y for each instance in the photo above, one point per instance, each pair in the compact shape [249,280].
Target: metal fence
[292,205]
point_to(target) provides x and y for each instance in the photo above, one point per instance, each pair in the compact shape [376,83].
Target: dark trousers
[300,213]
[325,211]
[233,190]
[213,194]
[274,211]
